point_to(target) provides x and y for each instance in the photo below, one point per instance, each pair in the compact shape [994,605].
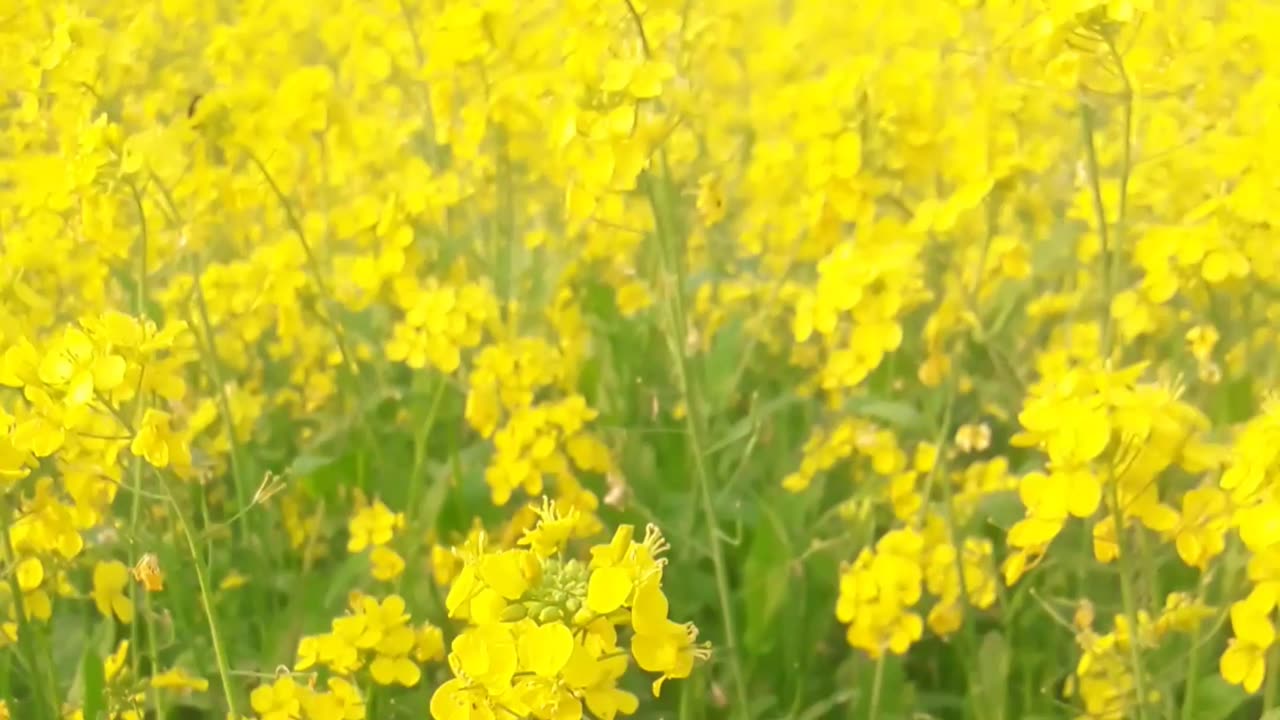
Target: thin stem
[1193,659]
[1126,161]
[206,600]
[416,474]
[1127,590]
[1100,213]
[418,54]
[507,220]
[876,684]
[420,451]
[1128,597]
[694,422]
[135,512]
[968,637]
[348,360]
[135,467]
[157,697]
[939,443]
[328,315]
[209,349]
[140,283]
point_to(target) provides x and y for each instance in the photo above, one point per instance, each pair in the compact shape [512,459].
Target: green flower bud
[513,613]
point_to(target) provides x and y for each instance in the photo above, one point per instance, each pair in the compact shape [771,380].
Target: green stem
[1100,213]
[507,220]
[968,637]
[328,317]
[135,467]
[420,451]
[213,364]
[695,424]
[417,478]
[1129,598]
[206,600]
[876,684]
[41,678]
[140,283]
[156,696]
[135,512]
[1193,659]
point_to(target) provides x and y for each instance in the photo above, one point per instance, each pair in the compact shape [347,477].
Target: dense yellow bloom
[976,298]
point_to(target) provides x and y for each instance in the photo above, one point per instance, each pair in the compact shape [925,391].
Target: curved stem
[206,600]
[695,425]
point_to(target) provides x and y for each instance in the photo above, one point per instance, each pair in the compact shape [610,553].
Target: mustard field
[665,359]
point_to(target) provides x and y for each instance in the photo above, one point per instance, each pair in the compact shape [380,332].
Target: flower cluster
[880,590]
[375,637]
[542,636]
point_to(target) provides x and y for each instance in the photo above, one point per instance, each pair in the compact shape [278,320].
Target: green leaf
[993,674]
[744,428]
[721,363]
[895,413]
[999,509]
[95,682]
[896,696]
[1216,699]
[766,585]
[306,464]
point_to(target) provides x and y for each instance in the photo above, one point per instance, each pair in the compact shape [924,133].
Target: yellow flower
[1244,664]
[178,679]
[486,655]
[373,525]
[110,579]
[429,644]
[114,663]
[341,702]
[553,529]
[661,645]
[385,564]
[395,669]
[608,589]
[1201,533]
[74,364]
[232,581]
[158,443]
[30,572]
[544,649]
[280,700]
